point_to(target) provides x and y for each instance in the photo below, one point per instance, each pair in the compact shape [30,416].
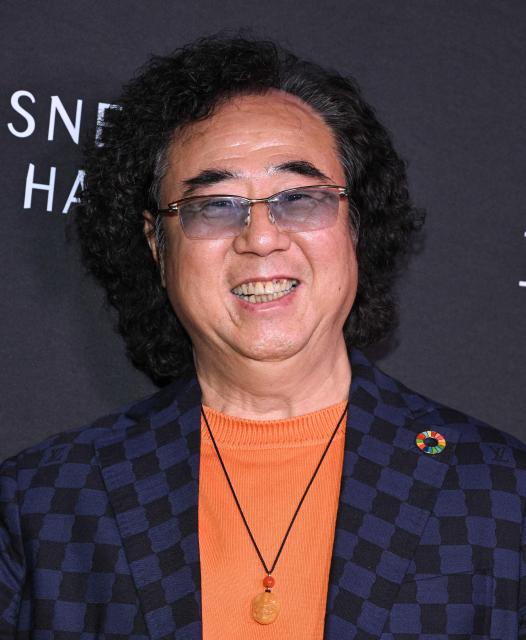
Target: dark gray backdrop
[447,77]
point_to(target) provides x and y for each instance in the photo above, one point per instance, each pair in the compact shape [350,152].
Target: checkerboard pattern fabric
[99,540]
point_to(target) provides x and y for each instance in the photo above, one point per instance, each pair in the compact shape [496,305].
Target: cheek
[341,277]
[334,260]
[344,253]
[193,278]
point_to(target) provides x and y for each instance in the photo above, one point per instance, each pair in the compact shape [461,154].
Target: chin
[271,349]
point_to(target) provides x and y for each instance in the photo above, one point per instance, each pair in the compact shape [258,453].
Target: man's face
[255,146]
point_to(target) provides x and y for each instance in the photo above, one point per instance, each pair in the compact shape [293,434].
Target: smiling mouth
[264,291]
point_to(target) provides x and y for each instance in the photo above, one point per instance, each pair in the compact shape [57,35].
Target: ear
[149,232]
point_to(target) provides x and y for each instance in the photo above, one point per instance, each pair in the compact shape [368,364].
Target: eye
[297,195]
[224,203]
[295,202]
[216,208]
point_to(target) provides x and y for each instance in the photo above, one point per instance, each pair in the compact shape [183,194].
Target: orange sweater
[270,464]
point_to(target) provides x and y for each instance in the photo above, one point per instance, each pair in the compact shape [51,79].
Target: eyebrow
[205,178]
[300,167]
[210,177]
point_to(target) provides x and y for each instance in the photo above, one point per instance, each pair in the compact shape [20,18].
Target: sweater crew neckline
[310,428]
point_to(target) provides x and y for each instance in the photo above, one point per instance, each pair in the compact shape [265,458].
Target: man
[246,214]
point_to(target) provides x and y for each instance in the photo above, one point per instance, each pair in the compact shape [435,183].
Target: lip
[265,279]
[284,301]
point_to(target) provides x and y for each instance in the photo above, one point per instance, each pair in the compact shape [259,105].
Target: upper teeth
[266,287]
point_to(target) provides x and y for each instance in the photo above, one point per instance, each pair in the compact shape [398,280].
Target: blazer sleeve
[12,565]
[522,585]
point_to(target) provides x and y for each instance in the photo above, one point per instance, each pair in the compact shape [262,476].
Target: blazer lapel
[150,467]
[388,491]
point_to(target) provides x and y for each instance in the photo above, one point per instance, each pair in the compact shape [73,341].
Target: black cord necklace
[265,606]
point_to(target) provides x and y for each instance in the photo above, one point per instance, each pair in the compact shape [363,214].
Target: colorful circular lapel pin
[431,442]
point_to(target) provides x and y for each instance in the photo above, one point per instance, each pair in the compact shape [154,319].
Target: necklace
[265,606]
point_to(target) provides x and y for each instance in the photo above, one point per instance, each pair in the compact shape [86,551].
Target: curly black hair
[125,168]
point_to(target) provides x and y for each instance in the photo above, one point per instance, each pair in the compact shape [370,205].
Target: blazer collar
[150,465]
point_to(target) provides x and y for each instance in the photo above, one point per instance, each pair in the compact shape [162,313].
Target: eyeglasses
[223,216]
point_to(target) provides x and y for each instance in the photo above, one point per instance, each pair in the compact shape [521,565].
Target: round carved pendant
[265,607]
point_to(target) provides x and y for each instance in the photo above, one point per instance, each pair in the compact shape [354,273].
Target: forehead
[255,114]
[253,132]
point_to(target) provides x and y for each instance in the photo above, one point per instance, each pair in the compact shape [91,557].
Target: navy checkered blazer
[98,535]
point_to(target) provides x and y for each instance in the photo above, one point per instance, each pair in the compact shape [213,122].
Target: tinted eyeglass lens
[213,218]
[306,209]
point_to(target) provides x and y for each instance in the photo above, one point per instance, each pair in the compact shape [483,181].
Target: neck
[275,390]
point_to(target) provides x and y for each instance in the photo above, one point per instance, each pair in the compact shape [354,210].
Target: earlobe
[149,232]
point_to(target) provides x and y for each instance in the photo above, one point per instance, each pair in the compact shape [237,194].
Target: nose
[261,235]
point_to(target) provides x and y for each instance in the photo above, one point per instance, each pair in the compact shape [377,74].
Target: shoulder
[73,450]
[477,442]
[488,465]
[482,455]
